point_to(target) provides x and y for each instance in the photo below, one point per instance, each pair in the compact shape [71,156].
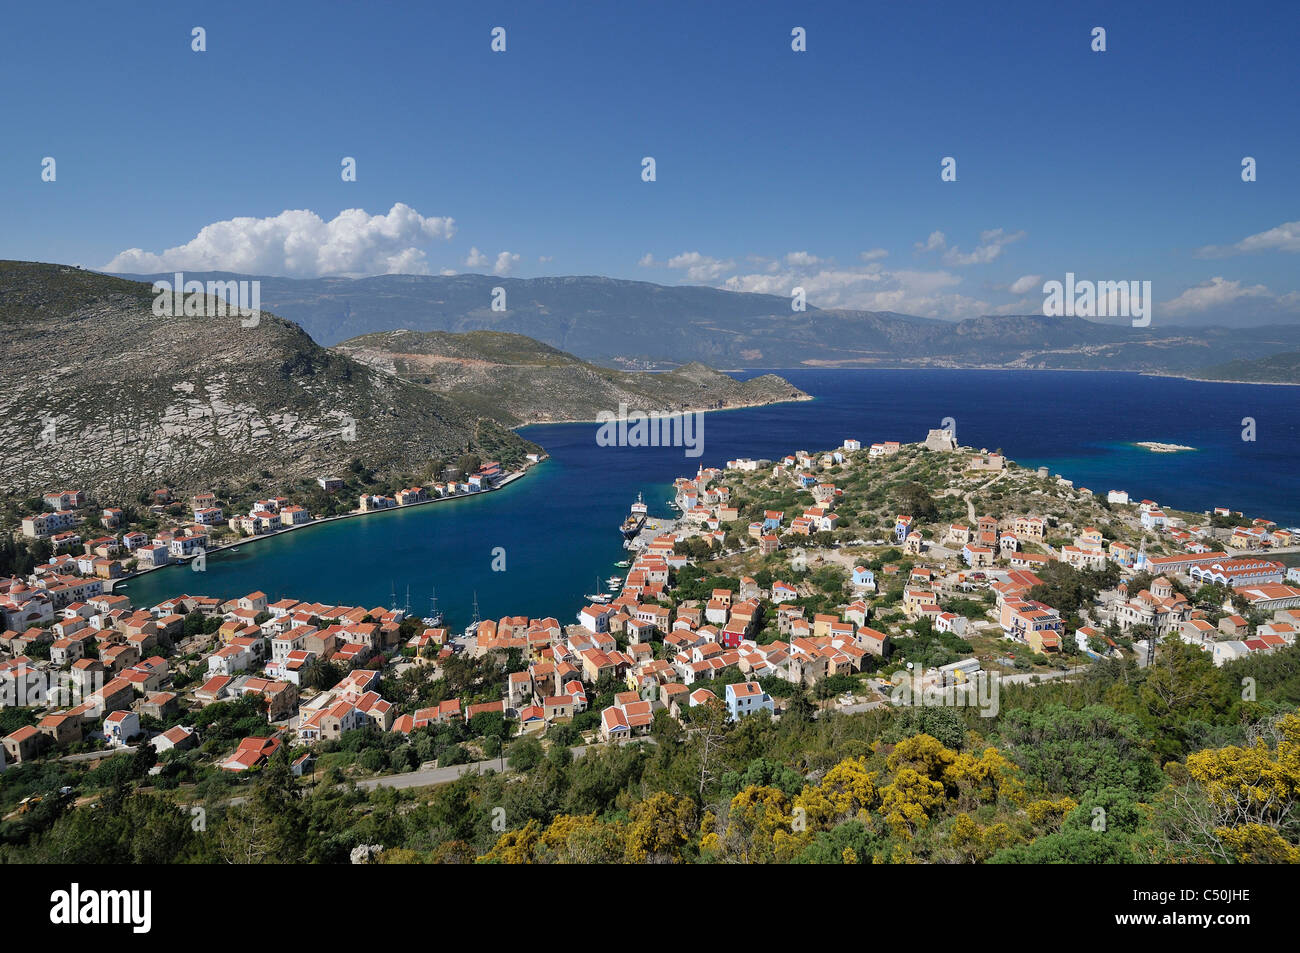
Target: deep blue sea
[559,525]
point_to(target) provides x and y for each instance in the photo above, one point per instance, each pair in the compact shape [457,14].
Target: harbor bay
[556,531]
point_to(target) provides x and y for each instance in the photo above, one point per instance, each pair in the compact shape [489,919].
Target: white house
[747,698]
[120,727]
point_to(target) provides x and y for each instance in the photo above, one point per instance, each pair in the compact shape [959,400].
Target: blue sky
[774,168]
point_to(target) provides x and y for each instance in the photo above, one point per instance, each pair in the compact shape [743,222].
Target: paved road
[97,755]
[426,776]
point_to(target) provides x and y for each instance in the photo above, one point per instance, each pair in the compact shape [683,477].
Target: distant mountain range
[515,379]
[638,324]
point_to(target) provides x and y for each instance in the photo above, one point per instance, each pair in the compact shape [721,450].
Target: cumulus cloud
[1025,283]
[992,243]
[935,242]
[697,267]
[299,243]
[1214,293]
[867,286]
[502,265]
[1285,237]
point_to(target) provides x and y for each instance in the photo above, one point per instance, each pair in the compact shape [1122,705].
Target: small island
[1156,447]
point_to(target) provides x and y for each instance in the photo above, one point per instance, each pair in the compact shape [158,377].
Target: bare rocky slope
[97,392]
[516,379]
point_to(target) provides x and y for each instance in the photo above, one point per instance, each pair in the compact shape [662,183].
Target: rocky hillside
[516,379]
[97,392]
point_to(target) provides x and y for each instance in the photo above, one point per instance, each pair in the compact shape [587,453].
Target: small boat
[624,563]
[234,549]
[600,597]
[473,626]
[614,581]
[435,617]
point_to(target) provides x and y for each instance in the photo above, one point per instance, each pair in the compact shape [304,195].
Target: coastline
[114,584]
[123,582]
[1215,380]
[1156,446]
[697,410]
[999,367]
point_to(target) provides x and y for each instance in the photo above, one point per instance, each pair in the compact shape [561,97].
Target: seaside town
[776,583]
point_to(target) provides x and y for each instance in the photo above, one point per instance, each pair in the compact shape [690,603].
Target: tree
[272,827]
[660,827]
[710,722]
[915,500]
[1180,686]
[1071,751]
[1252,792]
[525,754]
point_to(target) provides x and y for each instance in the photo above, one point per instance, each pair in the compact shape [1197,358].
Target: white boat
[473,626]
[614,581]
[623,563]
[436,617]
[601,597]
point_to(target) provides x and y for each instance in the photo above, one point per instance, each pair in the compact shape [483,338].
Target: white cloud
[1286,237]
[505,262]
[992,242]
[936,241]
[1214,293]
[700,267]
[299,243]
[475,258]
[869,288]
[1025,284]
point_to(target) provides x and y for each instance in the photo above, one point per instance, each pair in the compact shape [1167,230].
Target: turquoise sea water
[559,525]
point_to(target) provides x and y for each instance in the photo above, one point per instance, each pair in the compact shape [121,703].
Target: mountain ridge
[638,324]
[100,392]
[518,380]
